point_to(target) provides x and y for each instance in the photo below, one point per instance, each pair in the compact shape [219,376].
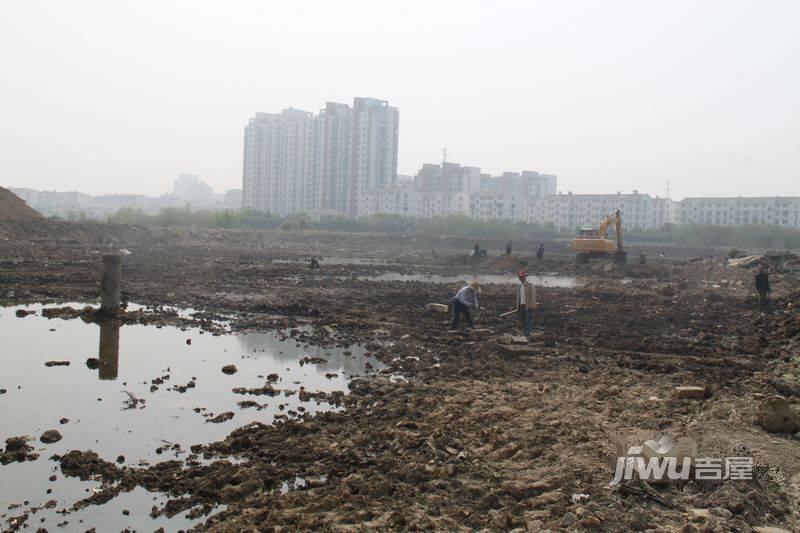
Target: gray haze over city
[107,97]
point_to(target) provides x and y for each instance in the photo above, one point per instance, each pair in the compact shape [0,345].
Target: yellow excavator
[594,243]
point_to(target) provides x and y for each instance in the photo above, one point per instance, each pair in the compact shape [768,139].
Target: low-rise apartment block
[773,210]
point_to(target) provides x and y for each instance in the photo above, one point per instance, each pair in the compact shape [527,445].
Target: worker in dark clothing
[465,298]
[314,263]
[540,252]
[763,288]
[642,258]
[508,248]
[476,250]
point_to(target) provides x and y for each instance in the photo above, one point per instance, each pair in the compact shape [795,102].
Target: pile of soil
[18,219]
[13,208]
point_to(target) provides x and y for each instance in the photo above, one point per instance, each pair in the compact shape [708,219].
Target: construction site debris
[438,308]
[775,415]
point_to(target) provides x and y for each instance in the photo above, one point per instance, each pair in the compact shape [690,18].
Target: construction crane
[594,243]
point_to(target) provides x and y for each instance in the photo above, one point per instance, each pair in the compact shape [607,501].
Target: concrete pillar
[108,352]
[110,284]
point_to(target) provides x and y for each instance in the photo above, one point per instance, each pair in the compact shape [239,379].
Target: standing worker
[465,298]
[763,288]
[526,301]
[508,248]
[540,252]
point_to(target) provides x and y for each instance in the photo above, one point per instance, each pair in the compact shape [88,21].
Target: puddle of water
[539,281]
[37,397]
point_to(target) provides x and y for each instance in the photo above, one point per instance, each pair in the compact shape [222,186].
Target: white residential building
[499,204]
[775,210]
[572,211]
[443,203]
[390,200]
[296,162]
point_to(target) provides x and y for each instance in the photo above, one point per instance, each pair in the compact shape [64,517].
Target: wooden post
[110,284]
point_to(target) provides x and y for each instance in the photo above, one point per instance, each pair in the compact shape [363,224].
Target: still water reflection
[150,363]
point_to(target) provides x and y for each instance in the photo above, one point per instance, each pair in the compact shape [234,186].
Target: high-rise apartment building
[448,177]
[297,162]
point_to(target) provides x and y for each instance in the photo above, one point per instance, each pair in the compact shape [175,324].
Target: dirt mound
[17,219]
[13,208]
[505,263]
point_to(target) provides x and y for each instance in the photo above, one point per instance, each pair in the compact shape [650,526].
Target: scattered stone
[273,377]
[229,369]
[120,459]
[21,313]
[17,450]
[234,493]
[265,390]
[93,363]
[312,360]
[63,421]
[568,519]
[775,415]
[222,417]
[50,436]
[518,349]
[690,393]
[188,341]
[512,339]
[590,522]
[698,515]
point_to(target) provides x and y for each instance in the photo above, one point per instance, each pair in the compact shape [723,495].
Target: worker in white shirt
[526,301]
[465,298]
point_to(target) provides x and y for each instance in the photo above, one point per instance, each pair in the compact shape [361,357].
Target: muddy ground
[475,434]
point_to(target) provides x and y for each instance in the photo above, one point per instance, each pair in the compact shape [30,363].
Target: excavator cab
[594,243]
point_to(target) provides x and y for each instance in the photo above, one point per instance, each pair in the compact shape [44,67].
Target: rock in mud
[234,493]
[56,363]
[86,465]
[775,415]
[50,436]
[17,450]
[267,390]
[229,369]
[787,386]
[690,393]
[222,417]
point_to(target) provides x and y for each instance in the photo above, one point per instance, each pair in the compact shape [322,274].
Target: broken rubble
[775,415]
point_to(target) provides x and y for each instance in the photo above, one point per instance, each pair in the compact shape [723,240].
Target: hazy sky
[111,96]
